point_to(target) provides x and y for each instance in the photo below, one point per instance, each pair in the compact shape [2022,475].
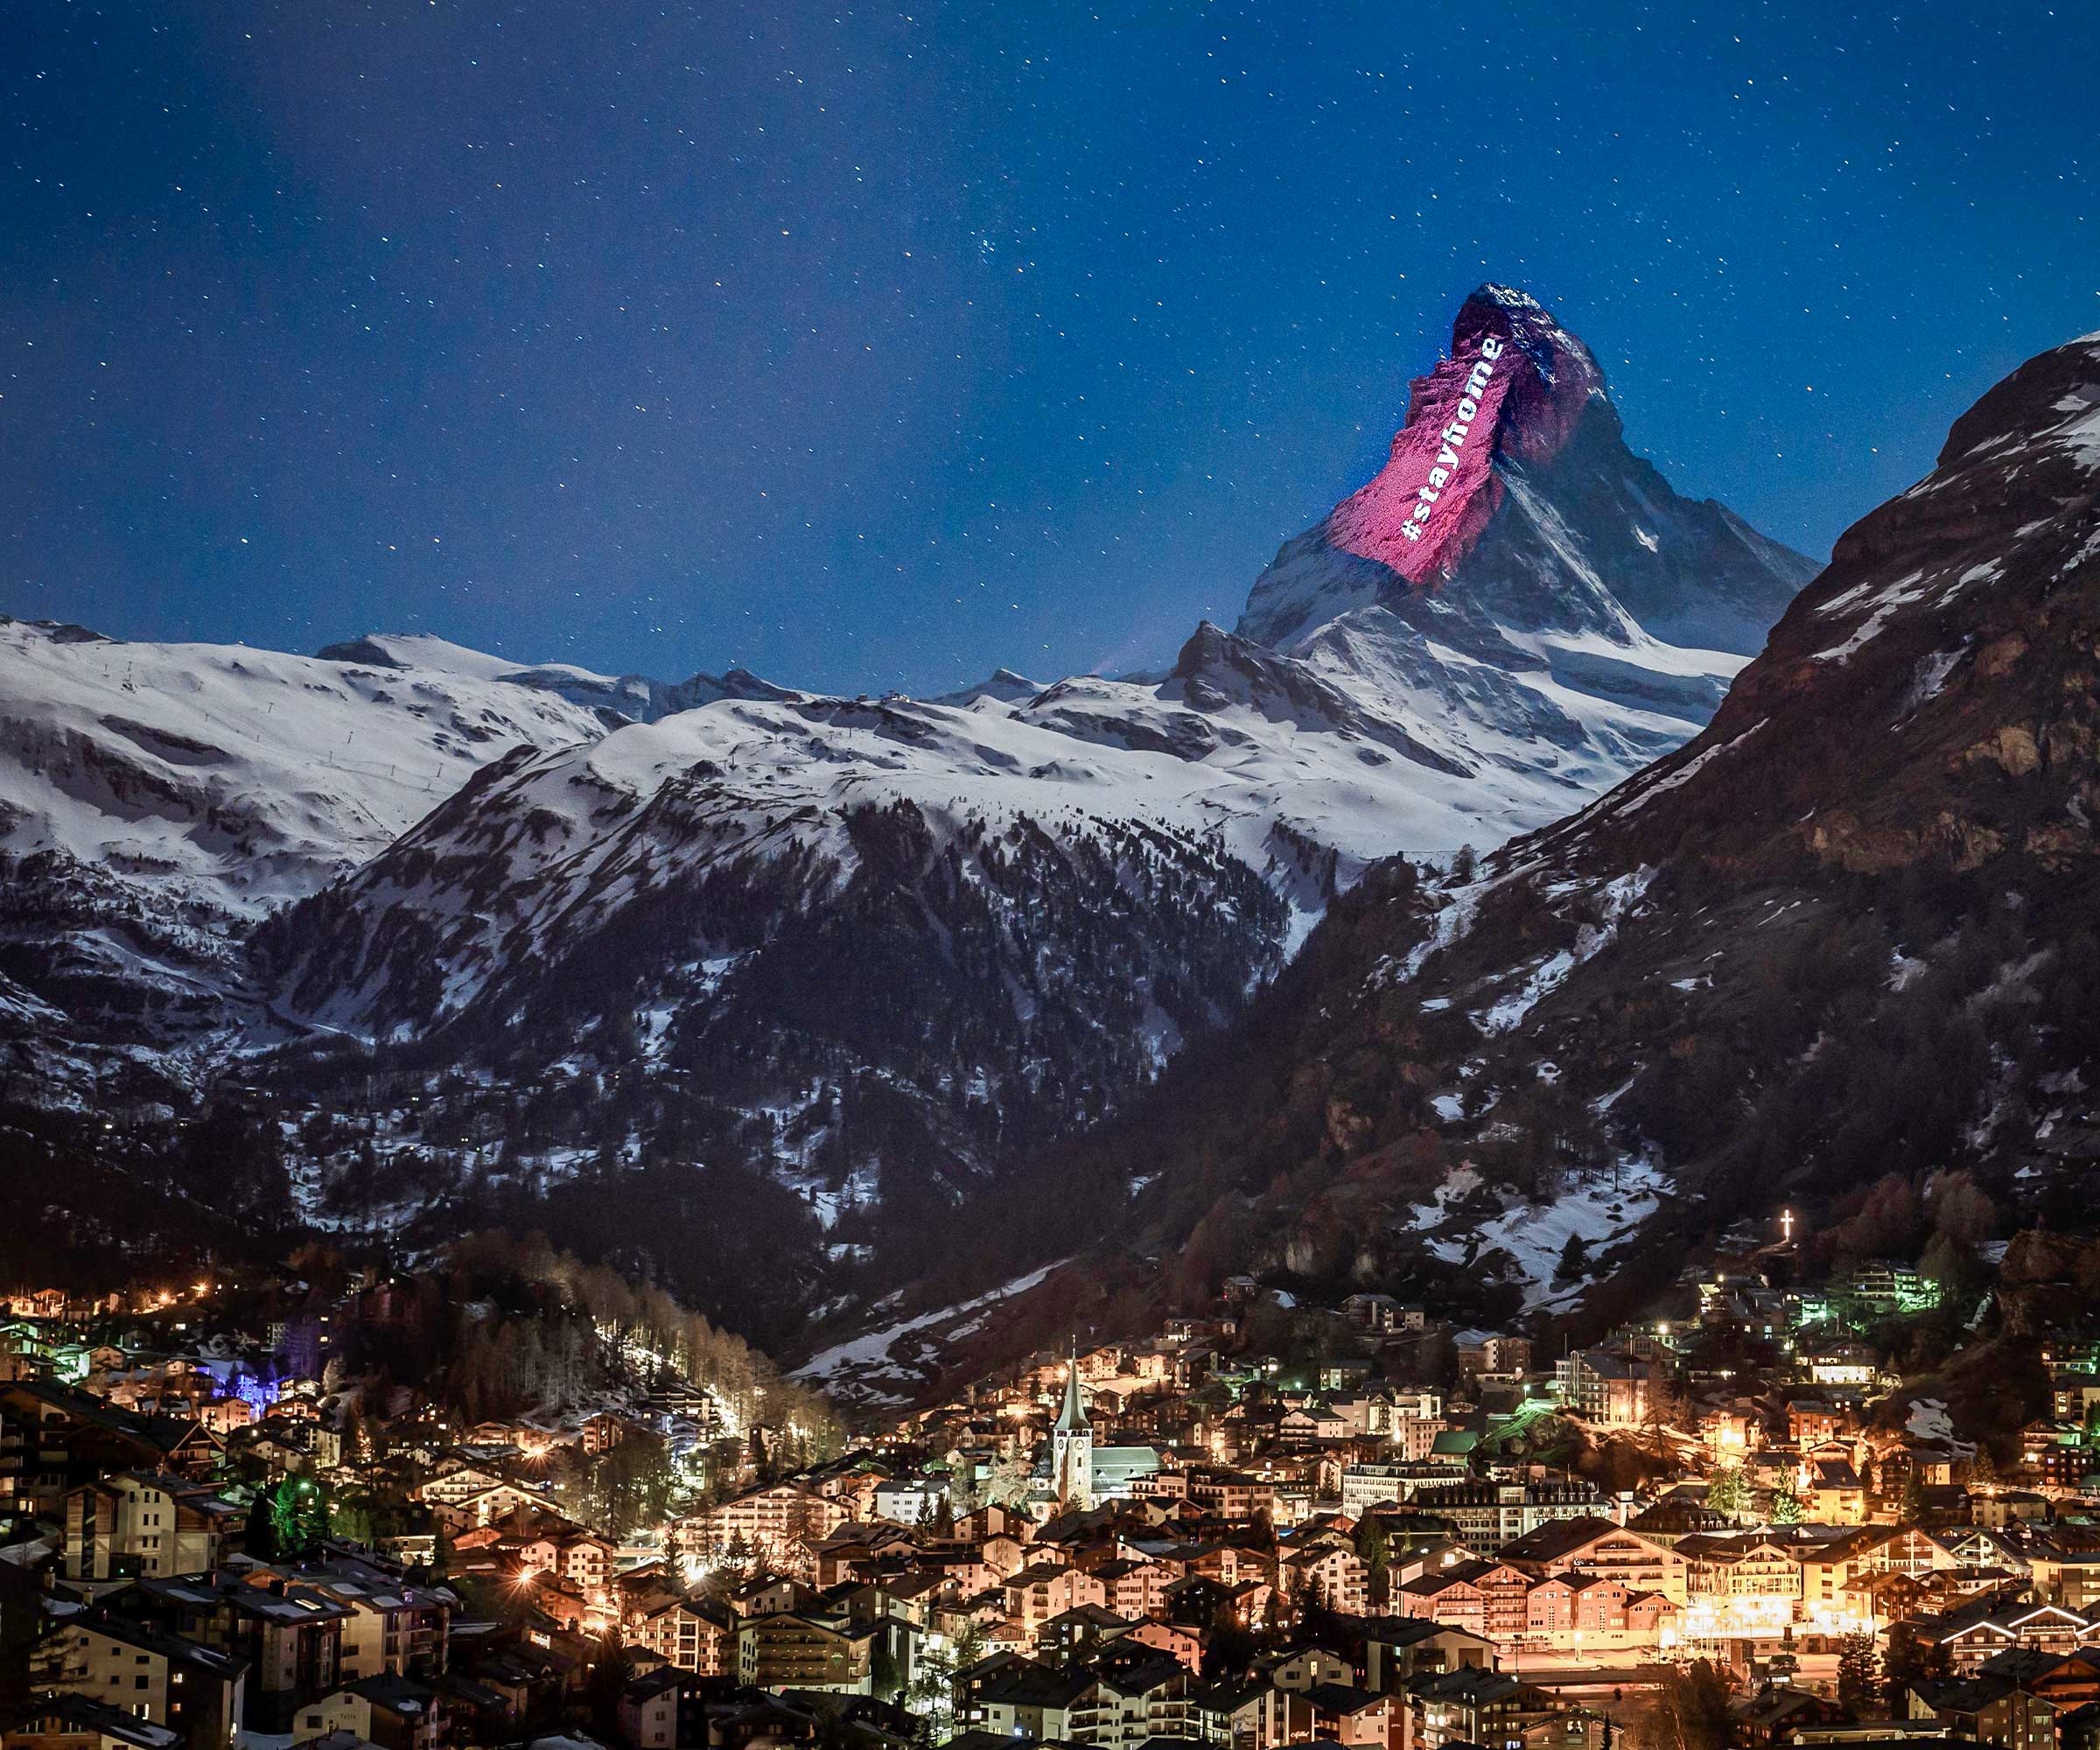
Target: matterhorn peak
[1514,380]
[1511,499]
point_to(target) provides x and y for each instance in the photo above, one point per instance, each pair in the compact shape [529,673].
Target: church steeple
[1072,1444]
[1072,1418]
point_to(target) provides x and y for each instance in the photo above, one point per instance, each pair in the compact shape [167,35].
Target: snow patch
[869,1366]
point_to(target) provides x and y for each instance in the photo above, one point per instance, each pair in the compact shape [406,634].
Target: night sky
[871,349]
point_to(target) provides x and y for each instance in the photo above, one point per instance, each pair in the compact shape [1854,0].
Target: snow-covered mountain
[875,947]
[1553,579]
[631,697]
[157,801]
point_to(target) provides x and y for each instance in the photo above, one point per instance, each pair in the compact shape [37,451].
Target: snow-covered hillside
[240,778]
[158,800]
[1240,757]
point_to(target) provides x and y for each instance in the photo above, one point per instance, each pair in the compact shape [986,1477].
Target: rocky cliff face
[1944,662]
[1512,517]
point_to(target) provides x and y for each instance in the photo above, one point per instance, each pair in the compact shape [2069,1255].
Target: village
[235,1515]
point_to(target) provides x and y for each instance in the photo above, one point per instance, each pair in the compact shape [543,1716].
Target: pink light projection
[1515,383]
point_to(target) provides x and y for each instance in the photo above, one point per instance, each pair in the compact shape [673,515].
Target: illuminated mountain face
[1515,380]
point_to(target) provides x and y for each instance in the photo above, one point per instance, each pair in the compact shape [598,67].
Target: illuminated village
[233,1521]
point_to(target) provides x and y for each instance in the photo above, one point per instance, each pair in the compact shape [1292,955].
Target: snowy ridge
[240,778]
[1299,772]
[158,800]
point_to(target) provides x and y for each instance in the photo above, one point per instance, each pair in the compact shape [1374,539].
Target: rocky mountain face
[857,954]
[1545,547]
[1838,951]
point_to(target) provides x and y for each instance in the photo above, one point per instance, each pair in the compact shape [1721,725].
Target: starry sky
[871,349]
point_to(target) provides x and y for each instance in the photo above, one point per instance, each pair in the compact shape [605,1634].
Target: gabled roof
[653,1684]
[1143,1678]
[173,1647]
[2026,1664]
[1071,1418]
[1468,1683]
[1404,1631]
[391,1690]
[1559,1537]
[1028,1684]
[1343,1699]
[82,1713]
[1094,1615]
[1462,1574]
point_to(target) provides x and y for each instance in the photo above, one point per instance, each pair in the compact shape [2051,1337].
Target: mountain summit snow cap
[1516,383]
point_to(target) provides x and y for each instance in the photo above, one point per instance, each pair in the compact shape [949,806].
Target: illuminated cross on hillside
[1786,1226]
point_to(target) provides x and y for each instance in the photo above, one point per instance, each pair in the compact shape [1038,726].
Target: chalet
[1016,1697]
[1486,1515]
[779,1523]
[1742,1567]
[68,1720]
[693,1635]
[1991,1710]
[1170,1638]
[391,1712]
[602,1431]
[1486,1599]
[288,1635]
[1333,1574]
[1991,1626]
[1375,1312]
[789,1651]
[1399,1648]
[1344,1714]
[664,1709]
[1831,1492]
[54,1438]
[1473,1705]
[198,1692]
[1603,1548]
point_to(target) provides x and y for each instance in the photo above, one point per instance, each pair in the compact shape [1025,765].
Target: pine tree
[883,1679]
[287,1520]
[1376,1548]
[1690,1711]
[1859,1674]
[1725,1491]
